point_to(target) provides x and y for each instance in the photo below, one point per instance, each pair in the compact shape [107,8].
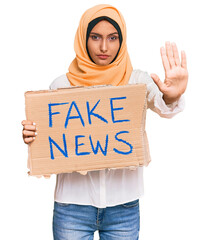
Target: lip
[103,56]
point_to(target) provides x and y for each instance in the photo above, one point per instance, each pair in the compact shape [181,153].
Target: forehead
[104,27]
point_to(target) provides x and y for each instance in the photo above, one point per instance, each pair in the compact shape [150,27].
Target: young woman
[108,200]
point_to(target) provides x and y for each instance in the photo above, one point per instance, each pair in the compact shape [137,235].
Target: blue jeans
[79,222]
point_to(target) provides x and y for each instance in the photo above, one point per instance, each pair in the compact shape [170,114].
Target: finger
[184,59]
[29,140]
[176,54]
[29,127]
[47,176]
[27,133]
[165,61]
[38,176]
[158,82]
[169,54]
[82,172]
[27,122]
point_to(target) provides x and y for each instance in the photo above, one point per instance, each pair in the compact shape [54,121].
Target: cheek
[115,48]
[92,46]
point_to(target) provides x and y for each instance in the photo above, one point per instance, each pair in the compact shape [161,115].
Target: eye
[113,38]
[95,37]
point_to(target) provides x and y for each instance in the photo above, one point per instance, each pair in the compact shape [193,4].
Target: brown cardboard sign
[87,128]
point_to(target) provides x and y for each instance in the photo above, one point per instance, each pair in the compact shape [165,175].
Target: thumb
[157,81]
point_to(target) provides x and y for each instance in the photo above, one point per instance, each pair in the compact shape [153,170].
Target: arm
[155,100]
[158,105]
[29,127]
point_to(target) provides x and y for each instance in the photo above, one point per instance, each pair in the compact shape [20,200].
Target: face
[103,43]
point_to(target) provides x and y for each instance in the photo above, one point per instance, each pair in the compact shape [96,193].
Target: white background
[36,46]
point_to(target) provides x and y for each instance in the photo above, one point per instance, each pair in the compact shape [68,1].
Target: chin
[102,63]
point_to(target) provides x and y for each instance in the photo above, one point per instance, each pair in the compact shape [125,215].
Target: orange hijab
[84,72]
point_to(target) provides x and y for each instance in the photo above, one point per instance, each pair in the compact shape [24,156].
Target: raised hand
[176,74]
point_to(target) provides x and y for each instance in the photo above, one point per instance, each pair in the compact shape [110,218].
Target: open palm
[176,74]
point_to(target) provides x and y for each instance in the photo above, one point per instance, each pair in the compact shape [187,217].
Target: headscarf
[83,71]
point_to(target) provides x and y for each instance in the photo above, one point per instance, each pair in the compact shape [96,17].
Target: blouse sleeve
[155,98]
[60,82]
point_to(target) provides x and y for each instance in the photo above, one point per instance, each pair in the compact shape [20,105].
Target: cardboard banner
[87,128]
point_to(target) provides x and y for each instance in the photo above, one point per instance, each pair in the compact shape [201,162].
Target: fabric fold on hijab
[84,72]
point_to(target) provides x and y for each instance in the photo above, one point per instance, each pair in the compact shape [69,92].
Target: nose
[103,46]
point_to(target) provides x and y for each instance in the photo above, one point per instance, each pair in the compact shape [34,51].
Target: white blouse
[110,187]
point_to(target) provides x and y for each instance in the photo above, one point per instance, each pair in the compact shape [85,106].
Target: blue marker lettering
[121,140]
[77,145]
[64,152]
[98,145]
[117,109]
[90,112]
[73,117]
[54,113]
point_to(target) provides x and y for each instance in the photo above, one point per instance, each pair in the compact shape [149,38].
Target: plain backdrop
[36,46]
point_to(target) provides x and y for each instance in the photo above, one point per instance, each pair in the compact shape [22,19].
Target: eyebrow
[101,35]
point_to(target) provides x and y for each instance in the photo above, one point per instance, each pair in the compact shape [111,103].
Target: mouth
[103,57]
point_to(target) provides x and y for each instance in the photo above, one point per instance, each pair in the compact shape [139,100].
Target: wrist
[169,100]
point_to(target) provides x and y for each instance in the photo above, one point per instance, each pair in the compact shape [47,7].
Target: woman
[108,200]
